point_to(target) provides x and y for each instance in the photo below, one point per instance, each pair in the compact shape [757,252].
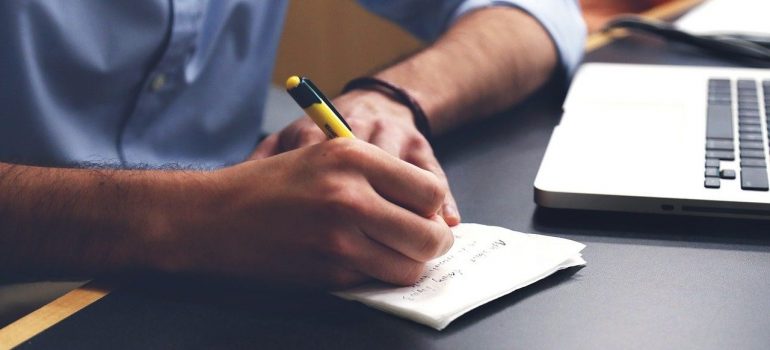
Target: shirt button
[158,82]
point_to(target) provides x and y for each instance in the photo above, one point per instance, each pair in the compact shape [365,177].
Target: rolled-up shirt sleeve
[428,19]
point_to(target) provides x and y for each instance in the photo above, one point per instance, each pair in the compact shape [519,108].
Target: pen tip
[292,82]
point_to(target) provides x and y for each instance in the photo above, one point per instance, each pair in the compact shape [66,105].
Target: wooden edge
[65,306]
[52,313]
[665,11]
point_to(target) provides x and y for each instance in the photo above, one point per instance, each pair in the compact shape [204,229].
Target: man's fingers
[268,147]
[414,236]
[398,181]
[299,135]
[423,157]
[362,128]
[393,142]
[378,261]
[388,139]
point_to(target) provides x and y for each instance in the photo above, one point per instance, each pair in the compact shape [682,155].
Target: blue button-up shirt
[154,82]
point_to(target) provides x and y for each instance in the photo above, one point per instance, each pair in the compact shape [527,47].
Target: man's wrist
[371,102]
[396,94]
[374,103]
[180,202]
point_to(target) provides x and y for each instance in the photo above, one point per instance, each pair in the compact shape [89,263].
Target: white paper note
[485,263]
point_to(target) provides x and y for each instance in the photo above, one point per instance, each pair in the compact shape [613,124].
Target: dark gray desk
[652,282]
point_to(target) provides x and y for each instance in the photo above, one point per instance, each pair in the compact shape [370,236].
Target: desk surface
[651,281]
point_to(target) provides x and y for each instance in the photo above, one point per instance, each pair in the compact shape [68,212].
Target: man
[129,132]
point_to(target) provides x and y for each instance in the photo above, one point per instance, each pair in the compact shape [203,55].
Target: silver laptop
[661,139]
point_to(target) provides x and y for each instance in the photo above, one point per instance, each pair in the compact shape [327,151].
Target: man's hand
[329,215]
[488,60]
[333,214]
[379,120]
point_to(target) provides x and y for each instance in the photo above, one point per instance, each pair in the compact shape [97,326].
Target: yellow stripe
[54,312]
[325,118]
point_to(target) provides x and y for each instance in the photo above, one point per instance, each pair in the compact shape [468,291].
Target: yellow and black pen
[318,107]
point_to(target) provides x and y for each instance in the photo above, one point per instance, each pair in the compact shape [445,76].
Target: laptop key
[750,153]
[712,172]
[753,163]
[749,121]
[720,100]
[716,144]
[719,122]
[748,116]
[750,137]
[711,182]
[750,128]
[748,113]
[745,132]
[727,174]
[754,179]
[757,145]
[723,155]
[719,86]
[712,163]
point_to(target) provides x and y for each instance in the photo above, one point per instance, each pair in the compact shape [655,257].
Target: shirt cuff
[562,19]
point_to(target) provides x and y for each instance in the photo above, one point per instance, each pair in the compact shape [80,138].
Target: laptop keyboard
[751,104]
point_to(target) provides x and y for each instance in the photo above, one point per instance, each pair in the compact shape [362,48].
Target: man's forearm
[487,61]
[77,221]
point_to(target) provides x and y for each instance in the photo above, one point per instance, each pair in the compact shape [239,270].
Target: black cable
[736,46]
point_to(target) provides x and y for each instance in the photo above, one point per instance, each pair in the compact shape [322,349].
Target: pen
[318,107]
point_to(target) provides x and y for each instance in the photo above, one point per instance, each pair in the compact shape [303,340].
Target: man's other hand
[379,120]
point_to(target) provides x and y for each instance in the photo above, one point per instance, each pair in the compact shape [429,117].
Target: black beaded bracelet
[398,94]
